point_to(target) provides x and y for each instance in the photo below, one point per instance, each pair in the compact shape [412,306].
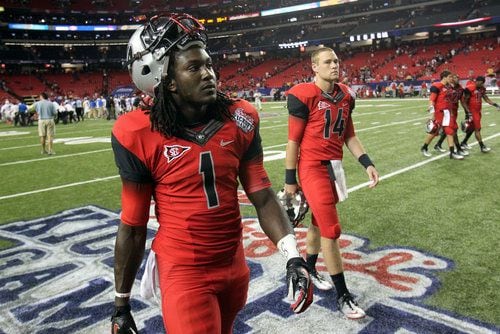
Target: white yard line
[50,157]
[391,123]
[59,132]
[99,179]
[359,186]
[16,147]
[419,164]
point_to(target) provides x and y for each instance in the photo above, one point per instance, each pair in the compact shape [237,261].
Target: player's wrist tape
[290,176]
[122,295]
[364,160]
[288,246]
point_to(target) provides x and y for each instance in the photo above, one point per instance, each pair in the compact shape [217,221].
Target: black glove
[122,321]
[496,105]
[300,288]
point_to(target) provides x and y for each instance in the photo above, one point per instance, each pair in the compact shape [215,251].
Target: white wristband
[288,246]
[122,295]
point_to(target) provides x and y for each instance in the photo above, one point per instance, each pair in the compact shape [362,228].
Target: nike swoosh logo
[225,143]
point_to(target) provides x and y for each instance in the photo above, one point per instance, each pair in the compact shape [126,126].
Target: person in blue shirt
[22,114]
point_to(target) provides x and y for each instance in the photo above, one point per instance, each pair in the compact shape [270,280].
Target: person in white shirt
[6,112]
[258,103]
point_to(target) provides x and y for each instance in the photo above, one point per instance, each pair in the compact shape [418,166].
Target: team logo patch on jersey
[244,121]
[323,105]
[57,277]
[173,152]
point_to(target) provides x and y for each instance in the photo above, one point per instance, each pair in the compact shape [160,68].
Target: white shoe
[485,149]
[320,281]
[440,149]
[349,308]
[456,156]
[464,146]
[426,153]
[463,153]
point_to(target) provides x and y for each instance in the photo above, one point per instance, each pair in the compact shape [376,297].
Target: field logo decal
[58,278]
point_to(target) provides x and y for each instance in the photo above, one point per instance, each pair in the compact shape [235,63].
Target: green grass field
[448,208]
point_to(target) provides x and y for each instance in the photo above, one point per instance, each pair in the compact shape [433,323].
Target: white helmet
[149,47]
[295,206]
[431,126]
[467,125]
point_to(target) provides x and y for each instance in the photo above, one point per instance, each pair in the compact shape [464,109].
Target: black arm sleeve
[255,148]
[434,89]
[129,165]
[297,108]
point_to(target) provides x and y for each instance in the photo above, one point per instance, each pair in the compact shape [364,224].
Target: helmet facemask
[150,46]
[294,205]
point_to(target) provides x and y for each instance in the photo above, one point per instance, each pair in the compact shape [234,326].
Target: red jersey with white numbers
[328,118]
[195,180]
[476,97]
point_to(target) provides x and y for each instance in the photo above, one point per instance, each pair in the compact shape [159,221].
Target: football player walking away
[456,96]
[474,94]
[440,106]
[187,153]
[319,125]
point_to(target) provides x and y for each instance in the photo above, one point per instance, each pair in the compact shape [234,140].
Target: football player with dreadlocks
[188,153]
[319,125]
[475,93]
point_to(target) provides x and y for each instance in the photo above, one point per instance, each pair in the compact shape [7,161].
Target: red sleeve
[433,97]
[296,127]
[253,176]
[349,129]
[136,200]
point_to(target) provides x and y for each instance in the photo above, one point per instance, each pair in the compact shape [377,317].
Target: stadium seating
[395,58]
[25,84]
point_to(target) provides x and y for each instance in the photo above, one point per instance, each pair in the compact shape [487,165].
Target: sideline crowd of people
[69,109]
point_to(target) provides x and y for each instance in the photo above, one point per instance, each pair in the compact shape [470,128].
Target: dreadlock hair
[165,116]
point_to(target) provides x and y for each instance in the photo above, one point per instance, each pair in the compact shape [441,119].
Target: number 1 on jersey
[207,172]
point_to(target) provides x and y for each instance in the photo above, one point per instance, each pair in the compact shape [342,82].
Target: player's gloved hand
[430,109]
[300,288]
[496,105]
[122,321]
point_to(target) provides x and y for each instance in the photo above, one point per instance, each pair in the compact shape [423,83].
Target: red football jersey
[195,180]
[328,120]
[442,95]
[476,96]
